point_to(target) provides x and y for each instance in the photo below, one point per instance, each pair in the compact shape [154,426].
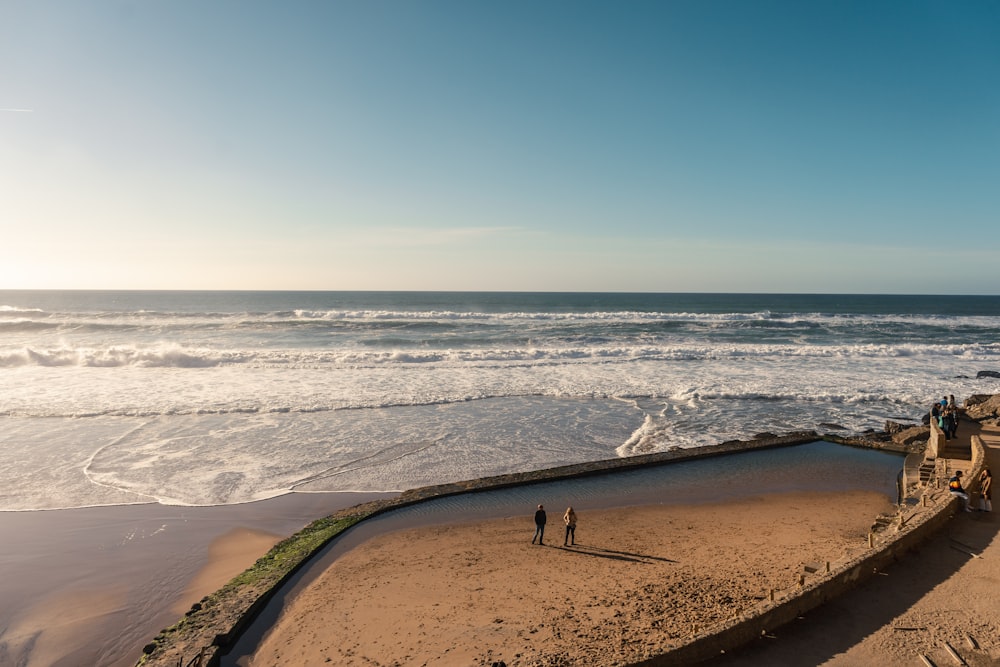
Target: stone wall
[935,443]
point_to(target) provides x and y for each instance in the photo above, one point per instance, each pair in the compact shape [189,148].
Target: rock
[833,427]
[892,427]
[988,409]
[910,435]
[764,436]
[976,399]
[988,374]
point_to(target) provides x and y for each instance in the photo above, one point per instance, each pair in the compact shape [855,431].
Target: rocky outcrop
[988,374]
[983,408]
[911,435]
[894,427]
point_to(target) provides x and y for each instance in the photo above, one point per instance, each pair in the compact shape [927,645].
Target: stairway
[959,447]
[926,470]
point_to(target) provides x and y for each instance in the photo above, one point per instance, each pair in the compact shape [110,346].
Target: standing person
[954,415]
[986,491]
[539,525]
[570,518]
[955,486]
[941,416]
[948,418]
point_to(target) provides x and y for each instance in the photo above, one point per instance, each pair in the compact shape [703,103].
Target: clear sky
[696,145]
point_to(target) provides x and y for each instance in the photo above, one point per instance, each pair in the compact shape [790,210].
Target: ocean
[213,398]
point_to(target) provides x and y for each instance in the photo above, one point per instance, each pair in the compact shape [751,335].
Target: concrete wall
[935,444]
[932,511]
[216,636]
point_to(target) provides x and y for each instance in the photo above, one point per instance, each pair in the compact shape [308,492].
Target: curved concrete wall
[912,528]
[216,638]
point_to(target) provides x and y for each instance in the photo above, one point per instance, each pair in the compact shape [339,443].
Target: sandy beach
[638,581]
[92,586]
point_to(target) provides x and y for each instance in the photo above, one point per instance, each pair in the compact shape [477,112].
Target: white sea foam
[175,401]
[175,355]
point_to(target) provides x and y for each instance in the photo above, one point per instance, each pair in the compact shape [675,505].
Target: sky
[668,146]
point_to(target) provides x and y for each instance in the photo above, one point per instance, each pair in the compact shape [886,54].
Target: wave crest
[169,355]
[166,356]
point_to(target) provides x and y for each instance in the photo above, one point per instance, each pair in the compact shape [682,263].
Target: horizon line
[483,291]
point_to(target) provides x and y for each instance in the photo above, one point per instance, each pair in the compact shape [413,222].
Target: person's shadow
[599,552]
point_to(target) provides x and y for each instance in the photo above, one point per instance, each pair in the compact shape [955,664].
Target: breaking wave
[177,356]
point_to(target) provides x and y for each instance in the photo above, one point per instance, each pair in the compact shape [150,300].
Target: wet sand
[638,581]
[91,586]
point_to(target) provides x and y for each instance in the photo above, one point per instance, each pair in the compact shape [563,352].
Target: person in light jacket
[986,491]
[569,518]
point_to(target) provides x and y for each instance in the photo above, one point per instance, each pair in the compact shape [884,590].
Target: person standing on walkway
[955,486]
[539,525]
[570,519]
[941,417]
[954,415]
[950,422]
[986,491]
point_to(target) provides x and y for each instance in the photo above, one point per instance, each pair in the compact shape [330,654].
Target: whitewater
[206,398]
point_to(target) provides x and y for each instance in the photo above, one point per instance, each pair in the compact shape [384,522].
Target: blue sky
[699,146]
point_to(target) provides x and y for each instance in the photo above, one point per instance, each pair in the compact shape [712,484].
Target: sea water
[205,398]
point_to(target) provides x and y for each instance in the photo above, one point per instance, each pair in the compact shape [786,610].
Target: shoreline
[134,530]
[97,583]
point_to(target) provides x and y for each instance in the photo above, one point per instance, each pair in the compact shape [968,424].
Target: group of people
[985,490]
[945,415]
[569,518]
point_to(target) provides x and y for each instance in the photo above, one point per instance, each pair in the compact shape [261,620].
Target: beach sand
[638,581]
[91,586]
[642,579]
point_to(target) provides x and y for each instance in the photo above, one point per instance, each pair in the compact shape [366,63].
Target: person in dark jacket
[539,525]
[955,486]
